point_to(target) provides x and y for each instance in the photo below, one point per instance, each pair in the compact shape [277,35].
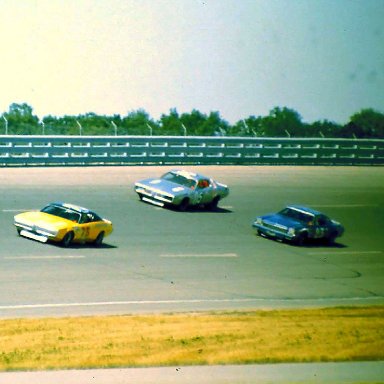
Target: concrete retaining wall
[130,150]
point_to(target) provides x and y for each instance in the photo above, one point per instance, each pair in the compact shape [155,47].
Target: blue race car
[297,224]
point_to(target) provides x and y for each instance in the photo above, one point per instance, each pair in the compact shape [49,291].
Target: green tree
[323,128]
[367,123]
[193,121]
[21,120]
[171,124]
[251,126]
[136,123]
[214,125]
[282,122]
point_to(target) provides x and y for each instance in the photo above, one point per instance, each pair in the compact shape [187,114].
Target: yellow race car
[63,223]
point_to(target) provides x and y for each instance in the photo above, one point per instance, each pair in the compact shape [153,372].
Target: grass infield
[239,337]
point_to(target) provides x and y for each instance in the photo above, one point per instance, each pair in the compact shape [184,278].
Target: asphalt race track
[163,260]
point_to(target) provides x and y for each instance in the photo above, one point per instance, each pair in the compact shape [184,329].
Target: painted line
[346,253]
[43,257]
[18,210]
[192,301]
[343,205]
[201,255]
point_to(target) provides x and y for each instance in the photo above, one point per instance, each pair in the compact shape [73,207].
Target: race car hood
[163,186]
[282,221]
[42,220]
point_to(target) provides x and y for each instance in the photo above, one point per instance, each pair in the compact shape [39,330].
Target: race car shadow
[88,245]
[72,245]
[82,246]
[210,210]
[313,243]
[201,209]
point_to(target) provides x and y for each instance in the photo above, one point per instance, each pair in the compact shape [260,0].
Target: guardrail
[129,150]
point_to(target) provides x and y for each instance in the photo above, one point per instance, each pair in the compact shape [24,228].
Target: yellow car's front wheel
[67,239]
[99,239]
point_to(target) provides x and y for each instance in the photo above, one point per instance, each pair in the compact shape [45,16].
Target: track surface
[164,260]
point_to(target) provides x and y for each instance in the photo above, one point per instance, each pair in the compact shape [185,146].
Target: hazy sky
[322,58]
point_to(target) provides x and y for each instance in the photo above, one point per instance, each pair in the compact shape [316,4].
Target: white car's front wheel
[184,204]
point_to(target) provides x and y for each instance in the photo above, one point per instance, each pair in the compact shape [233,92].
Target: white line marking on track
[17,210]
[343,205]
[44,257]
[192,301]
[345,253]
[183,255]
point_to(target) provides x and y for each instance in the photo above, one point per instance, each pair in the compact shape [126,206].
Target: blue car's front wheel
[301,239]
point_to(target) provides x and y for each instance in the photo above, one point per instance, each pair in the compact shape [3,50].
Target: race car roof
[74,207]
[305,209]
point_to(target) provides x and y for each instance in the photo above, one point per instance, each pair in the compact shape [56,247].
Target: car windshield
[177,178]
[297,215]
[63,212]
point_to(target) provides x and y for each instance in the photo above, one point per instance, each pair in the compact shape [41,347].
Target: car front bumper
[36,233]
[154,196]
[274,232]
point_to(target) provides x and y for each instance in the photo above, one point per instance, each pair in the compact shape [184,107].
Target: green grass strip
[240,337]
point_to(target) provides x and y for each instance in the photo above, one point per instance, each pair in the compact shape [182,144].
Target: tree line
[280,122]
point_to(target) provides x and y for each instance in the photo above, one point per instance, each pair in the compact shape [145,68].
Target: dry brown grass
[332,334]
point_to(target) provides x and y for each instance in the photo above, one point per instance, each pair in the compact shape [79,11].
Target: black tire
[67,239]
[18,231]
[213,204]
[331,239]
[301,239]
[99,239]
[183,205]
[140,196]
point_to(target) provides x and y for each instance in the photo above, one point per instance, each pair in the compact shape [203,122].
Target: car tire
[184,204]
[140,196]
[301,239]
[213,204]
[67,239]
[331,239]
[99,239]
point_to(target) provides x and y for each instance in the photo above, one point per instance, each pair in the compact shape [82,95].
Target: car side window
[203,184]
[322,221]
